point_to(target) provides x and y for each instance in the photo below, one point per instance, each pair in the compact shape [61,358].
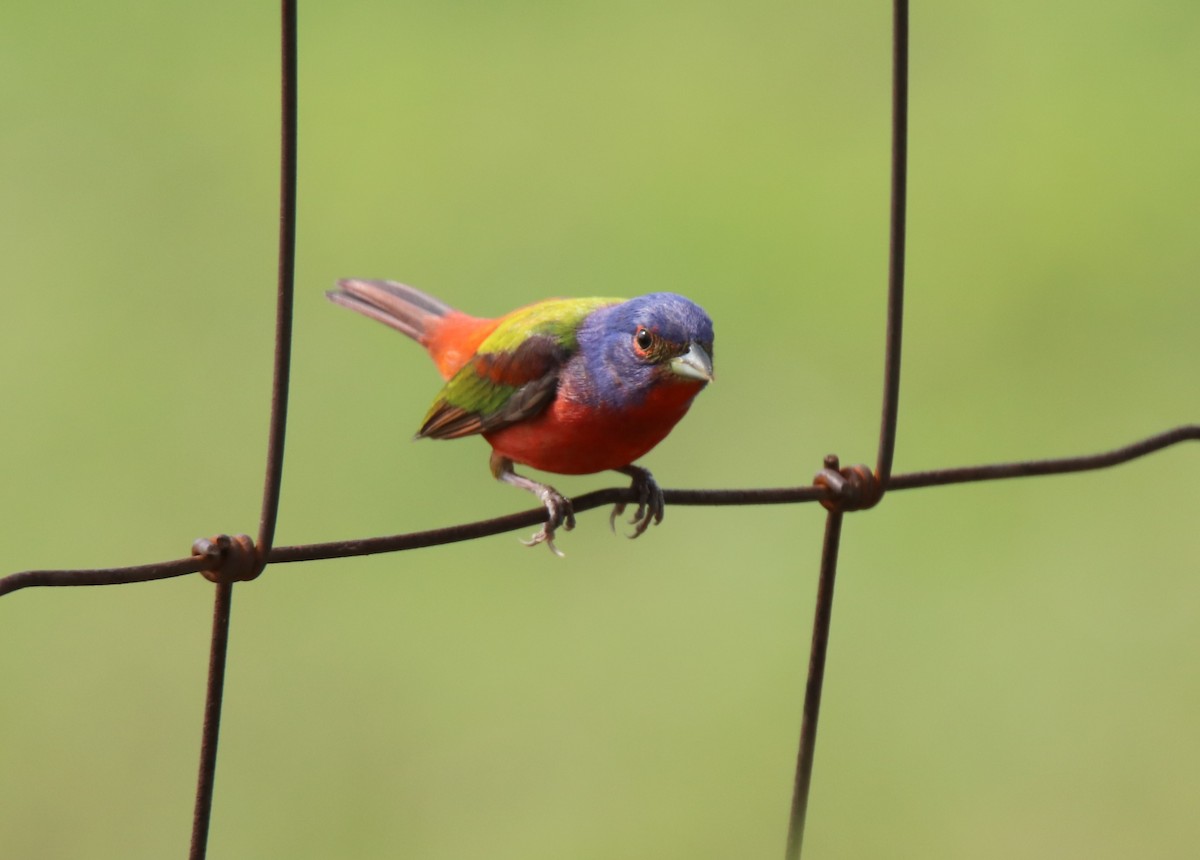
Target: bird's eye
[643,339]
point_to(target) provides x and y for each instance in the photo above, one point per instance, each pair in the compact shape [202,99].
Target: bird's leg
[558,506]
[650,501]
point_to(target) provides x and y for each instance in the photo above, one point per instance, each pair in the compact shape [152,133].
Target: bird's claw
[559,511]
[651,504]
[561,515]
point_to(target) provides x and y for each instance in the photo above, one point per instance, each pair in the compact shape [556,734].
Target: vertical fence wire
[823,611]
[285,289]
[822,618]
[896,244]
[206,778]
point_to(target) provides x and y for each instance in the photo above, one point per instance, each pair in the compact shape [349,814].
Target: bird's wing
[514,373]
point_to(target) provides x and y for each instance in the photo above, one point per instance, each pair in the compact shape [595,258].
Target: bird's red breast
[572,438]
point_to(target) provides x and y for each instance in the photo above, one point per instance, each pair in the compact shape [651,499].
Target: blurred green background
[1013,666]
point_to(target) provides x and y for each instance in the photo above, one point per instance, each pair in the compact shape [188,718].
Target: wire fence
[226,560]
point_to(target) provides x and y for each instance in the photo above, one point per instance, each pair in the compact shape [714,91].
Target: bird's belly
[574,439]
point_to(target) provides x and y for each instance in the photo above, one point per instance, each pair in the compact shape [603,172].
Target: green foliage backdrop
[1012,670]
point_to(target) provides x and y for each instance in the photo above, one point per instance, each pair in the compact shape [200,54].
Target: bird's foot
[561,515]
[650,502]
[560,512]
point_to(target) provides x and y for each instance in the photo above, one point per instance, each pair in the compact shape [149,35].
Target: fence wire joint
[234,558]
[854,488]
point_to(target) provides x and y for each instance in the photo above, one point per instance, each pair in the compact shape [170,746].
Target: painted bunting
[572,386]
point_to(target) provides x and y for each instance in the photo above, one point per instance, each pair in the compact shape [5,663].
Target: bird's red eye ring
[643,339]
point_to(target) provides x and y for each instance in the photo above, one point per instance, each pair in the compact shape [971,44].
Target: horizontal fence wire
[600,498]
[224,559]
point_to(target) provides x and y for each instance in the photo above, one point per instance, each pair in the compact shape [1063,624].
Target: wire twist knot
[235,558]
[854,488]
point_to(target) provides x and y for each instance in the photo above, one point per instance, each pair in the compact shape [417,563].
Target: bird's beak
[693,364]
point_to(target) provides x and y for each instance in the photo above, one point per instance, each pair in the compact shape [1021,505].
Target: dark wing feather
[496,389]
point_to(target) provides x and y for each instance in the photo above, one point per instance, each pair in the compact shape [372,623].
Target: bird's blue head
[632,347]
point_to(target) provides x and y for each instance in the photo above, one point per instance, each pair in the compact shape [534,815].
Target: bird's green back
[558,319]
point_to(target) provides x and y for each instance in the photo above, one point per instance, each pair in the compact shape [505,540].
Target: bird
[571,386]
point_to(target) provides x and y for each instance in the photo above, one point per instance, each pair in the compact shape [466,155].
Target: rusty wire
[857,488]
[210,730]
[239,558]
[597,499]
[225,560]
[896,246]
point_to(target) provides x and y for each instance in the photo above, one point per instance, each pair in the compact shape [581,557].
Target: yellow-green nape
[555,318]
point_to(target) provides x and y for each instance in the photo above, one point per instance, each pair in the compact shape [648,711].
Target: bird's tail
[449,336]
[404,308]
